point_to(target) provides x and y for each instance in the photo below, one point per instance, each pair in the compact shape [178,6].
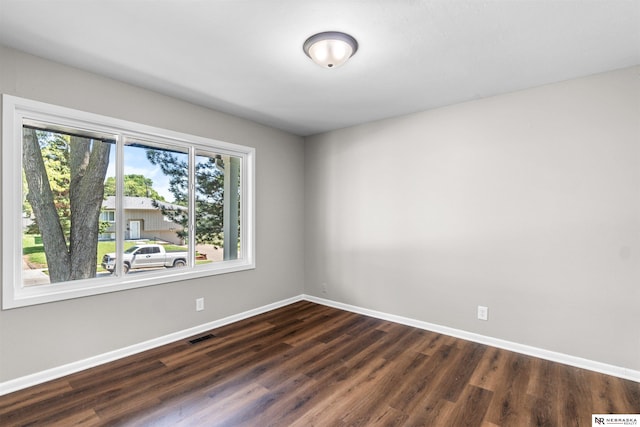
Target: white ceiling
[245,57]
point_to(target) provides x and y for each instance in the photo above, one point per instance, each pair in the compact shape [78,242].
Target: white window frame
[14,294]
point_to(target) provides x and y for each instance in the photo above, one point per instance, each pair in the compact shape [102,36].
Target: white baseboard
[553,356]
[60,371]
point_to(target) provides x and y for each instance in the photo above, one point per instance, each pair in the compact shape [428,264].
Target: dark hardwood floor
[311,365]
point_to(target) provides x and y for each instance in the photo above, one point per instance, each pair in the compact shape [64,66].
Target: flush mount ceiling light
[330,49]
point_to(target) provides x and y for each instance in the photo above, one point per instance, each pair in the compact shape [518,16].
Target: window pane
[217,202]
[63,186]
[156,200]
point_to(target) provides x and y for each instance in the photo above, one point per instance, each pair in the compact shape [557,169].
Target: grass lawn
[36,257]
[35,252]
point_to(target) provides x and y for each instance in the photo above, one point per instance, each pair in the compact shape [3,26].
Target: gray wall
[528,203]
[36,338]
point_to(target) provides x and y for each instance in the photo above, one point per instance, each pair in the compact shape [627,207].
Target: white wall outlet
[483,312]
[199,304]
[324,288]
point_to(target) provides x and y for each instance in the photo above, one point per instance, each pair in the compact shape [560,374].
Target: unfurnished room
[320,213]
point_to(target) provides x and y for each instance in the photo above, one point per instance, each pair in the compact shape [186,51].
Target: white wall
[46,336]
[528,203]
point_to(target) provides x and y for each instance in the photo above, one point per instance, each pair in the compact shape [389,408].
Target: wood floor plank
[345,396]
[543,394]
[250,414]
[490,369]
[228,342]
[311,365]
[459,372]
[346,352]
[341,328]
[407,398]
[470,409]
[432,341]
[387,416]
[510,394]
[631,392]
[314,399]
[84,418]
[363,409]
[335,391]
[28,398]
[433,412]
[315,325]
[574,396]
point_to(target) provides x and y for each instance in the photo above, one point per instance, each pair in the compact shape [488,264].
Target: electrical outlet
[324,288]
[483,312]
[199,304]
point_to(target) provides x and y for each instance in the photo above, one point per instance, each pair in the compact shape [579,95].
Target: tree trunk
[89,161]
[41,199]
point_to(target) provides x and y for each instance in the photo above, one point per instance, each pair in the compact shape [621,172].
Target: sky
[136,163]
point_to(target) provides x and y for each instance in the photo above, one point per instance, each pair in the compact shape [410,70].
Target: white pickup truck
[145,256]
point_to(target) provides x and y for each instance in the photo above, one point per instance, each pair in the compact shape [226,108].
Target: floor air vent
[200,339]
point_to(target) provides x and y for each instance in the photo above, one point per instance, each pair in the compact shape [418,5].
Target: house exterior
[143,220]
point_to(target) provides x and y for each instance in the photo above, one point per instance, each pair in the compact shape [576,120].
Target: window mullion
[192,207]
[247,202]
[120,219]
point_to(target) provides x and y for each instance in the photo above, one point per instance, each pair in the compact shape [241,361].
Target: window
[108,216]
[108,205]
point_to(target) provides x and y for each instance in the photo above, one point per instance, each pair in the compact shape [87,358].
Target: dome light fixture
[330,49]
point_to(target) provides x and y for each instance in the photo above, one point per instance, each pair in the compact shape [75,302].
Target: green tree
[134,186]
[65,180]
[209,195]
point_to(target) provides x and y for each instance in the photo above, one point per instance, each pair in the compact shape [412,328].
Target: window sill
[42,294]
